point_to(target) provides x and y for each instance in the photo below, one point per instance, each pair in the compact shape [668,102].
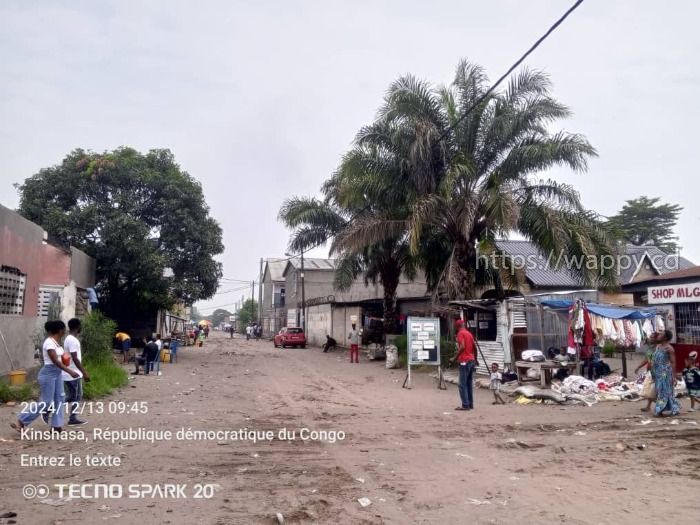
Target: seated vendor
[563,356]
[149,354]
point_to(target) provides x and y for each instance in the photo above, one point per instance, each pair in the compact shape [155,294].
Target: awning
[606,310]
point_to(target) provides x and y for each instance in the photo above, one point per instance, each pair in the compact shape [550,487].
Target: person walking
[465,356]
[691,376]
[73,386]
[354,338]
[663,366]
[648,387]
[50,381]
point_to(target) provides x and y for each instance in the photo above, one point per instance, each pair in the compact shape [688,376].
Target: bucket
[18,377]
[165,358]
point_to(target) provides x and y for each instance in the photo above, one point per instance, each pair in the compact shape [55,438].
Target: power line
[512,68]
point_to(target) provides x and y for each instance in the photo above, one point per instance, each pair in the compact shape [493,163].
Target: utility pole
[260,293]
[252,297]
[303,295]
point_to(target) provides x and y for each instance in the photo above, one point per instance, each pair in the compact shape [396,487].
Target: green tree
[143,219]
[220,316]
[645,221]
[247,314]
[469,178]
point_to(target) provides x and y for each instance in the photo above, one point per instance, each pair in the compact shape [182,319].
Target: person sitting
[149,354]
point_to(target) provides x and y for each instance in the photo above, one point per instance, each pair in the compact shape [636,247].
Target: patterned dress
[663,378]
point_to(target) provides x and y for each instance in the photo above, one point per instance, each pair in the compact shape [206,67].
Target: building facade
[36,276]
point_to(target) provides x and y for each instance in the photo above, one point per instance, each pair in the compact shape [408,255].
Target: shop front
[683,302]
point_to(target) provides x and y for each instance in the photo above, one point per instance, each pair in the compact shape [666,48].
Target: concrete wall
[21,247]
[82,269]
[18,333]
[318,323]
[319,284]
[55,265]
[341,322]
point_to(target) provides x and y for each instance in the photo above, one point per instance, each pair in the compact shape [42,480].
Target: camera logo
[35,491]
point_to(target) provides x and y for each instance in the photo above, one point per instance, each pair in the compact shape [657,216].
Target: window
[294,330]
[12,286]
[278,299]
[688,323]
[49,299]
[482,324]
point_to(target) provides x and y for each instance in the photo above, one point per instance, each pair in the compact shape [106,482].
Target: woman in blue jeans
[50,380]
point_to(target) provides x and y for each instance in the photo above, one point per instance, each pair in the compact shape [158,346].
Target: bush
[96,337]
[105,376]
[401,342]
[447,351]
[15,393]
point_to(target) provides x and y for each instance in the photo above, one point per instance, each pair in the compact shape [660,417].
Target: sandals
[18,426]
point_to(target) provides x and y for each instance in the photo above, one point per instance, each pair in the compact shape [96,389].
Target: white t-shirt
[159,344]
[72,346]
[496,379]
[50,344]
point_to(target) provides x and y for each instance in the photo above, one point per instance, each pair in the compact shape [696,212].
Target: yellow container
[165,357]
[18,377]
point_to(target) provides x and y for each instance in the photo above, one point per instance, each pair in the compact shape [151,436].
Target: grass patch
[105,377]
[15,392]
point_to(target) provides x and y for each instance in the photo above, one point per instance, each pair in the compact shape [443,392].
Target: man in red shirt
[465,356]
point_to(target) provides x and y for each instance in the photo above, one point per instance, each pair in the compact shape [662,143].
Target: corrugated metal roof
[276,268]
[686,273]
[539,272]
[537,269]
[312,263]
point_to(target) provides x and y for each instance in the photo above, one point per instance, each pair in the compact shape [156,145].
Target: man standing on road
[354,338]
[73,386]
[465,356]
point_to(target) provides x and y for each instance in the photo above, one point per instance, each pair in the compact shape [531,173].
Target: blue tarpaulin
[605,310]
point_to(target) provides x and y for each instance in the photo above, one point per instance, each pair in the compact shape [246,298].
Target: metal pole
[260,292]
[253,313]
[303,294]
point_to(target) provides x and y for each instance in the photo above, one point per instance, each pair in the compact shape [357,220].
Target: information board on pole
[423,345]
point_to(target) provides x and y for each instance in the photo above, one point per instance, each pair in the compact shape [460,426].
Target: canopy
[605,310]
[204,322]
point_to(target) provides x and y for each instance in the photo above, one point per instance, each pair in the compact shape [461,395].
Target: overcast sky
[258,100]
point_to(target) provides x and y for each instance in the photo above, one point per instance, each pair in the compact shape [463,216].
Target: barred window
[688,323]
[12,286]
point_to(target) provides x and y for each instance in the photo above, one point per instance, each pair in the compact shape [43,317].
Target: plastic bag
[648,387]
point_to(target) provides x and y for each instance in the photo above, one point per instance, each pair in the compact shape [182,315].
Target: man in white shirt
[74,386]
[159,342]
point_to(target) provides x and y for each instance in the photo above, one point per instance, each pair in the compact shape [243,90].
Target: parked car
[290,337]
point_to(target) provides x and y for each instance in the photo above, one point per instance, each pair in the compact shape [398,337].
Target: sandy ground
[408,451]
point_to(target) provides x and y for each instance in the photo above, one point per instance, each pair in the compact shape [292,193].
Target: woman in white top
[50,381]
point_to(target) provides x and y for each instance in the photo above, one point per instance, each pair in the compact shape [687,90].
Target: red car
[290,337]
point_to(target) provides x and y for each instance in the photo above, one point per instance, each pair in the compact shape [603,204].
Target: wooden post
[540,309]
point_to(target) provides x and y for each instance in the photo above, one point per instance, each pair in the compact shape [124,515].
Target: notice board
[423,340]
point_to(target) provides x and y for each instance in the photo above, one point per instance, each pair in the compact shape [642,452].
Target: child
[495,385]
[691,375]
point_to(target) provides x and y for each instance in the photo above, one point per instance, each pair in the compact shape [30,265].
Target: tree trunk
[390,282]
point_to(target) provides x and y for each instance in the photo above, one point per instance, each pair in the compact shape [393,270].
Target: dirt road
[408,452]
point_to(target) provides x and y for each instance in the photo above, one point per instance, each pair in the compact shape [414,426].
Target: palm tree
[466,169]
[357,192]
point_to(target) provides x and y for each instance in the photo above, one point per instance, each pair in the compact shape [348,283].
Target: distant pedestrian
[465,356]
[51,397]
[495,381]
[93,299]
[159,342]
[206,332]
[248,332]
[663,371]
[354,338]
[148,356]
[125,343]
[73,386]
[691,376]
[648,387]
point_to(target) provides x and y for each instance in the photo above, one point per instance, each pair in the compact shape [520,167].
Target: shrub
[447,350]
[96,337]
[105,376]
[401,342]
[15,393]
[609,349]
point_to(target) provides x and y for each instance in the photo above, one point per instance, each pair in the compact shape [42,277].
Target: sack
[648,388]
[533,356]
[65,359]
[392,357]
